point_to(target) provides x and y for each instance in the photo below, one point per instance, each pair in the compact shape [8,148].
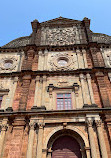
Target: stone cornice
[77,112]
[50,73]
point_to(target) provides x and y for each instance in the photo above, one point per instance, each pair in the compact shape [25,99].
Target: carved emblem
[59,36]
[62,61]
[8,63]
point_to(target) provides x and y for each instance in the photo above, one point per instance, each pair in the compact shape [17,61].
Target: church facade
[55,92]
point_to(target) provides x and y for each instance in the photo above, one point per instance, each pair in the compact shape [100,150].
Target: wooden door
[66,147]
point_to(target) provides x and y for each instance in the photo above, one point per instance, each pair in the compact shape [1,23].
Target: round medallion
[8,64]
[62,62]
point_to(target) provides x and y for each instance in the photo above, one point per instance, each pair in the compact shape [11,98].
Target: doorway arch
[66,147]
[63,136]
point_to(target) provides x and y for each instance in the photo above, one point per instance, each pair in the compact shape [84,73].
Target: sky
[16,15]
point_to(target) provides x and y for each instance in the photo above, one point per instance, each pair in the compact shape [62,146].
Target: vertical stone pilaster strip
[30,140]
[76,59]
[80,58]
[44,90]
[4,127]
[88,152]
[45,60]
[13,91]
[101,139]
[36,91]
[83,88]
[91,139]
[40,61]
[40,139]
[84,57]
[90,88]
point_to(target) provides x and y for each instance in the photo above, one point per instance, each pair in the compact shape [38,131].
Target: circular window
[62,62]
[8,64]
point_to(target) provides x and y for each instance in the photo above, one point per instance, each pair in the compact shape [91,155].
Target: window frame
[64,101]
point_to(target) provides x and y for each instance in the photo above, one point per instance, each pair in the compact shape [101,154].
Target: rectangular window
[64,101]
[1,101]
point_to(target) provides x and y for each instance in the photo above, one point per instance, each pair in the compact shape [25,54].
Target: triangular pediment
[60,20]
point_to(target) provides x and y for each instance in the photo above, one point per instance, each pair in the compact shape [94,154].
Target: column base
[9,109]
[90,106]
[36,108]
[1,110]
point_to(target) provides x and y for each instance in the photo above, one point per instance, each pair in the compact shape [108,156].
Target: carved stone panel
[107,56]
[60,36]
[61,61]
[9,63]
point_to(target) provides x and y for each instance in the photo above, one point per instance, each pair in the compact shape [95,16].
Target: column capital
[88,76]
[41,124]
[82,76]
[45,78]
[4,127]
[15,79]
[89,123]
[32,125]
[78,50]
[37,78]
[40,52]
[83,50]
[98,123]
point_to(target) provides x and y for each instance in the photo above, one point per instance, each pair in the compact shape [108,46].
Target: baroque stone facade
[55,92]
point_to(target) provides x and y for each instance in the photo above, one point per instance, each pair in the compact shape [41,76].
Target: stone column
[91,139]
[90,88]
[36,98]
[41,60]
[45,60]
[31,139]
[49,153]
[76,64]
[87,149]
[84,58]
[13,93]
[4,127]
[83,89]
[44,90]
[101,139]
[40,92]
[40,140]
[80,58]
[44,153]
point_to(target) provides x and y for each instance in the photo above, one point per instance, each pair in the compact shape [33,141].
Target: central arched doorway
[66,147]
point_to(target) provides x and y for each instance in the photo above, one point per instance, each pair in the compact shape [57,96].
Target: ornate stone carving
[101,38]
[32,125]
[68,65]
[4,127]
[59,36]
[63,83]
[9,63]
[98,123]
[89,123]
[41,124]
